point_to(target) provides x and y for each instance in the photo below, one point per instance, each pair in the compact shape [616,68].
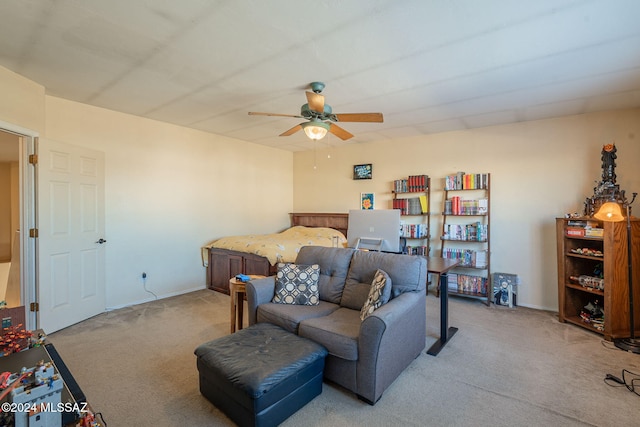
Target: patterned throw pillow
[378,294]
[297,284]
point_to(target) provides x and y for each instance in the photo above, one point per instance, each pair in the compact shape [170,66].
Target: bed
[259,254]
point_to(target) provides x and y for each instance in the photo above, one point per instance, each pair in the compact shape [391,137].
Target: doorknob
[101,241]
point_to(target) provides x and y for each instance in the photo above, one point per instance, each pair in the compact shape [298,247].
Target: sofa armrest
[259,291]
[390,338]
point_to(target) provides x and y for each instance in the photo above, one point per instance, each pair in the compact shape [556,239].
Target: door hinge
[34,306]
[33,232]
[33,159]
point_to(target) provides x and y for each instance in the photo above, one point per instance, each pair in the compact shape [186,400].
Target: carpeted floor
[504,367]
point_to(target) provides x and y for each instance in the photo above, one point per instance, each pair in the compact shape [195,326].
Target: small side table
[237,291]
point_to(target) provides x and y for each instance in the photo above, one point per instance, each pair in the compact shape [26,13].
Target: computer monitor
[372,226]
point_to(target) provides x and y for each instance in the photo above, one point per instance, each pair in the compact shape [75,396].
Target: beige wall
[169,190]
[539,170]
[22,101]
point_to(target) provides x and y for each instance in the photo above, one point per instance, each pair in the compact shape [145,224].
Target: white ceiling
[428,66]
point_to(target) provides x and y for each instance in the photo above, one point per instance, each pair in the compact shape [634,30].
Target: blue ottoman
[261,375]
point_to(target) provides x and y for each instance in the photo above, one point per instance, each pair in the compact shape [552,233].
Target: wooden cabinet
[465,234]
[595,256]
[412,196]
[225,264]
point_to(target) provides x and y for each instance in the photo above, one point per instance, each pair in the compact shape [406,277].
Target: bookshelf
[412,196]
[466,234]
[593,272]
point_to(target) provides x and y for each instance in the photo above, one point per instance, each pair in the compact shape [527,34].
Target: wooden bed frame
[225,264]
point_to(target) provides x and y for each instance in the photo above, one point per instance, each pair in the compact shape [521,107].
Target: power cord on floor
[103,423]
[144,285]
[608,345]
[629,379]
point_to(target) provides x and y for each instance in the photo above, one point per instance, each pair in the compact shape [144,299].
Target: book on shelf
[464,181]
[411,184]
[483,205]
[410,206]
[413,231]
[476,232]
[417,250]
[582,223]
[452,281]
[459,206]
[469,257]
[424,205]
[465,283]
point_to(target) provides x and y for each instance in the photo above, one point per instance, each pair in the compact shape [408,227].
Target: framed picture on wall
[366,201]
[363,171]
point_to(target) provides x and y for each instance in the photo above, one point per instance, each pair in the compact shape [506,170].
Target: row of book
[476,232]
[466,181]
[469,257]
[464,283]
[412,206]
[414,231]
[458,206]
[413,184]
[580,228]
[417,250]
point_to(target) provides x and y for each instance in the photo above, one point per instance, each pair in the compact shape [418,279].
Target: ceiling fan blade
[316,102]
[339,132]
[251,113]
[291,131]
[360,117]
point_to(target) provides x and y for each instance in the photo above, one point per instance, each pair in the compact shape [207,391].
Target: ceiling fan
[321,118]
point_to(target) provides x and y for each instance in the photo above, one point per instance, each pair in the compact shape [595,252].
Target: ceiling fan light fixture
[315,129]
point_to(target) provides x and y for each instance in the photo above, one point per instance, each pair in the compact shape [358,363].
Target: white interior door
[71,250]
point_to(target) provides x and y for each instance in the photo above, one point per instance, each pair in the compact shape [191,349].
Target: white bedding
[279,247]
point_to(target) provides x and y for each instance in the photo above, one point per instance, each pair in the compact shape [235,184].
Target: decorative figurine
[14,340]
[607,189]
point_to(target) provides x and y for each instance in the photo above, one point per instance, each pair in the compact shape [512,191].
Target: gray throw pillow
[379,294]
[297,284]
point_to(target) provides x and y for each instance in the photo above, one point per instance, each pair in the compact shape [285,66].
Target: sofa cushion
[334,265]
[297,284]
[379,293]
[408,273]
[289,316]
[338,332]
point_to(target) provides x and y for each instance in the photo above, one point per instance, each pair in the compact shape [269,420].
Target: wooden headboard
[338,221]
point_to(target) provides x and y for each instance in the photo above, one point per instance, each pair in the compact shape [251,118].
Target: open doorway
[73,263]
[10,219]
[17,216]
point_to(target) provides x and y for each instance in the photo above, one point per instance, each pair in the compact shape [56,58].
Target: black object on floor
[261,375]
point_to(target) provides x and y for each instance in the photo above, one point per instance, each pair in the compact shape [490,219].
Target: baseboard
[537,307]
[152,298]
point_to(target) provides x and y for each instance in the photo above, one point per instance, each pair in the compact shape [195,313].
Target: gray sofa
[364,356]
